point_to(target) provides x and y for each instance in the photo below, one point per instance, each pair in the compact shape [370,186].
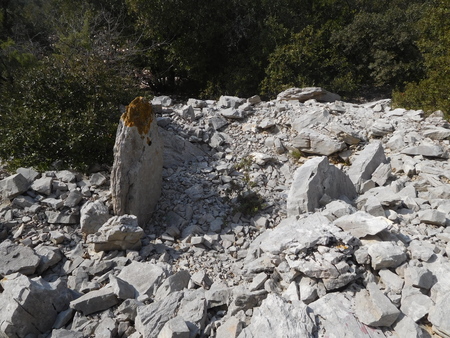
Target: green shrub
[60,111]
[431,93]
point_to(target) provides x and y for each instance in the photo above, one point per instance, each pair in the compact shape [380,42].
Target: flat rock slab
[432,216]
[361,224]
[94,301]
[426,150]
[17,258]
[308,93]
[313,142]
[278,318]
[294,236]
[437,133]
[315,183]
[439,315]
[144,277]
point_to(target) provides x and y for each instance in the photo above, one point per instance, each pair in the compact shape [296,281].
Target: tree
[432,92]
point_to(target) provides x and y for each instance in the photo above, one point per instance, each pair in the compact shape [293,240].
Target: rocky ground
[288,218]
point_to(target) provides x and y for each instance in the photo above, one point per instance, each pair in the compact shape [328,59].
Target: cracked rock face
[138,161]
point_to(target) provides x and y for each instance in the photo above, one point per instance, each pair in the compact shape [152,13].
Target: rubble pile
[297,217]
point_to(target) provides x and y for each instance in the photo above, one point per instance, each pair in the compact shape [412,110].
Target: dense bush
[433,92]
[58,113]
[66,66]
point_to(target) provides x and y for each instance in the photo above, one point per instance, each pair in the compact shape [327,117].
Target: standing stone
[136,176]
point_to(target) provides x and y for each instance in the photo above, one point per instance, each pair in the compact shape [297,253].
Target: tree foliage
[67,66]
[432,92]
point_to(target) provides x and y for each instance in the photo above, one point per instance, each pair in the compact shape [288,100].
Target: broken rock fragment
[373,308]
[17,258]
[118,233]
[278,318]
[366,163]
[30,306]
[315,183]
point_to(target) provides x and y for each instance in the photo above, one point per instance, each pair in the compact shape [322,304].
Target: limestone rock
[428,150]
[296,236]
[118,233]
[315,180]
[309,119]
[231,328]
[335,316]
[93,216]
[313,142]
[175,328]
[381,128]
[366,163]
[177,150]
[17,258]
[176,282]
[13,186]
[193,309]
[144,277]
[43,185]
[62,217]
[386,255]
[432,216]
[151,318]
[308,93]
[29,173]
[439,315]
[230,101]
[361,224]
[94,301]
[437,133]
[373,308]
[278,318]
[136,175]
[415,304]
[30,306]
[406,327]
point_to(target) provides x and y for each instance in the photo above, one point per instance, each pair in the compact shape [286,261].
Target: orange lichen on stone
[139,114]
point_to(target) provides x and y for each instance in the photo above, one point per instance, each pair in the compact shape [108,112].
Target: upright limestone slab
[136,176]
